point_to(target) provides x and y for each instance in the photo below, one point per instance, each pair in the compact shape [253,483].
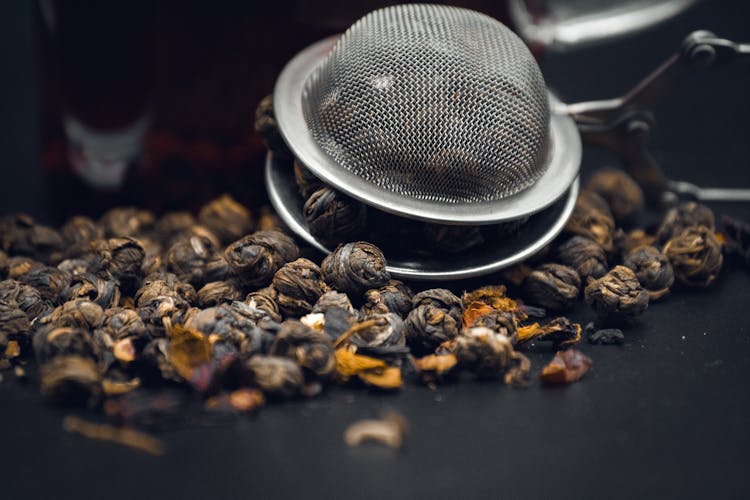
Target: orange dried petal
[387,378]
[439,363]
[187,350]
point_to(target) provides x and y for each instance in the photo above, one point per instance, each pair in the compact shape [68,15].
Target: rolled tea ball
[442,298]
[683,216]
[226,218]
[695,256]
[14,323]
[334,218]
[70,380]
[299,284]
[276,375]
[103,291]
[188,258]
[590,220]
[50,281]
[255,258]
[267,127]
[154,311]
[311,350]
[489,354]
[67,358]
[53,341]
[354,268]
[18,266]
[583,255]
[552,286]
[380,330]
[21,235]
[120,222]
[152,260]
[617,294]
[171,224]
[653,270]
[79,230]
[623,195]
[451,238]
[393,297]
[428,326]
[218,292]
[79,313]
[25,296]
[76,267]
[306,181]
[332,298]
[122,259]
[159,284]
[119,322]
[625,242]
[269,220]
[3,265]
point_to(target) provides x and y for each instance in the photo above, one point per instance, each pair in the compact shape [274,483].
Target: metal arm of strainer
[623,124]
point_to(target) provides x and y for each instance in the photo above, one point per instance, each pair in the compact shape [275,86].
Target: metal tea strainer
[432,113]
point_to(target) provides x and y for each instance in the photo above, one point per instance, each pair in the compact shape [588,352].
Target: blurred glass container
[561,25]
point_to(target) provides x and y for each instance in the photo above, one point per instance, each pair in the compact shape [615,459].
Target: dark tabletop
[664,415]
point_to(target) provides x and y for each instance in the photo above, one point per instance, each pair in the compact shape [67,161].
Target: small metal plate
[564,158]
[540,230]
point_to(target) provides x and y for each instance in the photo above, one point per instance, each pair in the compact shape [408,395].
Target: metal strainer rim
[282,191]
[563,160]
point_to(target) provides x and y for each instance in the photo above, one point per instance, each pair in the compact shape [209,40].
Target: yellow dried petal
[439,363]
[124,350]
[349,363]
[528,332]
[187,350]
[12,350]
[114,388]
[388,378]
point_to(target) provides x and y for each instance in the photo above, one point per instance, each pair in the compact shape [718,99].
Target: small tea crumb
[388,430]
[119,435]
[607,336]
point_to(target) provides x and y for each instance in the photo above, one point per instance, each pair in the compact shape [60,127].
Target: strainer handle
[623,124]
[700,49]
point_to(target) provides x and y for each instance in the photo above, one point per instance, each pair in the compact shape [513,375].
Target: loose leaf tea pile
[137,316]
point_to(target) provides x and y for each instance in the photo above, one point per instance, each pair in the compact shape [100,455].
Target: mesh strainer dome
[430,112]
[432,102]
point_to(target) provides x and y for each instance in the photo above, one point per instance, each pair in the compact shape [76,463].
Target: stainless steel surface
[540,230]
[570,24]
[431,102]
[563,159]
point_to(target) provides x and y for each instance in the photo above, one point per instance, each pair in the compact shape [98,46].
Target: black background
[664,415]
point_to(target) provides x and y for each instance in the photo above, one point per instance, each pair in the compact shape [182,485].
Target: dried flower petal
[566,367]
[187,350]
[389,430]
